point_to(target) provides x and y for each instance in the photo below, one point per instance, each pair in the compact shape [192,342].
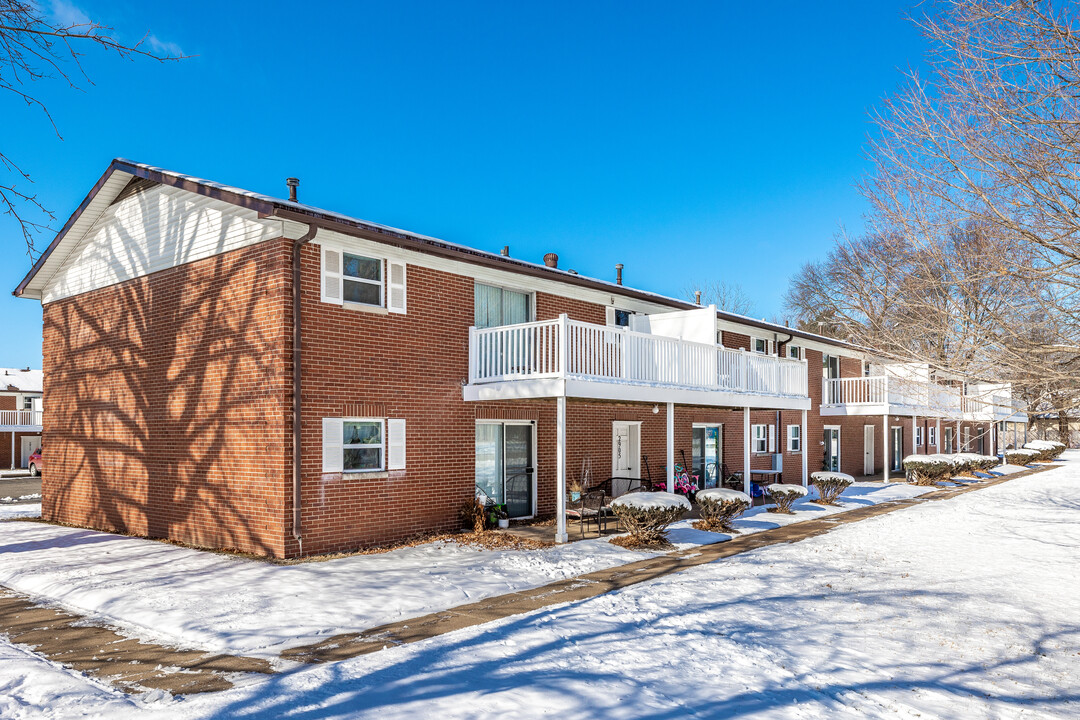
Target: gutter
[297,528]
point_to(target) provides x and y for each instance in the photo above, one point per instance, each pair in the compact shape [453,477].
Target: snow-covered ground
[965,608]
[224,603]
[21,510]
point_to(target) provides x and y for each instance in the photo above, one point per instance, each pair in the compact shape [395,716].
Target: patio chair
[588,508]
[624,485]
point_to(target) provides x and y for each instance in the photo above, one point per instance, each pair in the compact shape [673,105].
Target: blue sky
[689,141]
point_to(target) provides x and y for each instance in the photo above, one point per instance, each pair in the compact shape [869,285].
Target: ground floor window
[362,446]
[794,438]
[504,464]
[760,435]
[932,433]
[707,455]
[918,437]
[949,440]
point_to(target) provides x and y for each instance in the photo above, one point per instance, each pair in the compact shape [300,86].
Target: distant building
[20,415]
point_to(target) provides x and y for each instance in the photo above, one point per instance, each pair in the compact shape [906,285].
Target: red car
[35,463]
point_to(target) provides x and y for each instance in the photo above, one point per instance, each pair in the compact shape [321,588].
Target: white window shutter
[332,440]
[395,298]
[609,315]
[331,276]
[772,438]
[395,440]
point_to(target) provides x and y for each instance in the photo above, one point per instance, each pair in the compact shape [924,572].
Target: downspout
[297,530]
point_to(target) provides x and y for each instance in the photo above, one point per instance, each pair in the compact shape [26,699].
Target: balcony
[995,408]
[20,421]
[567,358]
[888,394]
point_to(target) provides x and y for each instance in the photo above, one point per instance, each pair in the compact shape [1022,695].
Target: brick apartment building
[178,396]
[20,416]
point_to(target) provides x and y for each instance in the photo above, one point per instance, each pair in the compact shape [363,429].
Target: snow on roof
[16,380]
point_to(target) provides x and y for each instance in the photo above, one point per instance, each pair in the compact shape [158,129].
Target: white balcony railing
[20,418]
[572,349]
[925,396]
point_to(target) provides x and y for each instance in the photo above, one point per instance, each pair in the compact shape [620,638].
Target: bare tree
[729,297]
[36,46]
[972,259]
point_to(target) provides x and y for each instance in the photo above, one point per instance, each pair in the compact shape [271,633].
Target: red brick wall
[167,401]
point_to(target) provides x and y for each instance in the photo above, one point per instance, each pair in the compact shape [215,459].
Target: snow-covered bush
[1021,457]
[928,469]
[719,508]
[1048,449]
[646,516]
[829,485]
[971,462]
[784,495]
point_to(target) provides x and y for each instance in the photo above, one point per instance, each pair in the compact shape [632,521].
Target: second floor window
[363,280]
[495,306]
[830,366]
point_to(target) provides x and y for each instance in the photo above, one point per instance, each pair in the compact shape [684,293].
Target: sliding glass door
[504,464]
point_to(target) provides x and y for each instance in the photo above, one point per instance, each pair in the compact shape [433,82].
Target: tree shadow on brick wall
[166,394]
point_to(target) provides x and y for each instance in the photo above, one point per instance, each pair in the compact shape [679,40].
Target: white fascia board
[626,392]
[878,410]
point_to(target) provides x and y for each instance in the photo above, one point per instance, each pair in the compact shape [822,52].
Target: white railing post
[474,353]
[564,349]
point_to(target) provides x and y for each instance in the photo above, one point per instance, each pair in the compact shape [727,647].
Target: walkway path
[131,664]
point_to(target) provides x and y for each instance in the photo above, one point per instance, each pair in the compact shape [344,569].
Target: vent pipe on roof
[293,183]
[697,297]
[505,252]
[618,273]
[551,260]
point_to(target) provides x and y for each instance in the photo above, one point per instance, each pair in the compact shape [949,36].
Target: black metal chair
[590,507]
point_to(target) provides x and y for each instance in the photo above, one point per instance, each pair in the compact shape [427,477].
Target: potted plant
[502,517]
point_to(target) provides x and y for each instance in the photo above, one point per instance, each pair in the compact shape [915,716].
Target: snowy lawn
[965,608]
[229,604]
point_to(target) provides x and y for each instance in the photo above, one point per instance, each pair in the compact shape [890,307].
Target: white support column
[937,436]
[914,432]
[805,451]
[1025,433]
[885,450]
[560,469]
[13,449]
[671,447]
[957,447]
[993,439]
[746,451]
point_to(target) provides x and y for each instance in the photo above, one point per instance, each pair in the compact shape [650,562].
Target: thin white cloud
[66,14]
[163,47]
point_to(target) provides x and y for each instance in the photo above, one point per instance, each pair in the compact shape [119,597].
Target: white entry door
[29,445]
[625,440]
[868,450]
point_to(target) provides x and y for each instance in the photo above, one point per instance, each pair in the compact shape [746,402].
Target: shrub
[646,516]
[928,469]
[1048,449]
[783,496]
[1021,457]
[719,508]
[971,462]
[829,486]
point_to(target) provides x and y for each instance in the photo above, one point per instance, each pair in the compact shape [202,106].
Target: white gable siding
[153,230]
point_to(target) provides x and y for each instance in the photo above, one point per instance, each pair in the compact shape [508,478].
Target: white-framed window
[363,445]
[762,346]
[932,435]
[830,366]
[949,440]
[359,445]
[618,317]
[760,438]
[918,437]
[794,352]
[28,402]
[363,280]
[794,438]
[357,280]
